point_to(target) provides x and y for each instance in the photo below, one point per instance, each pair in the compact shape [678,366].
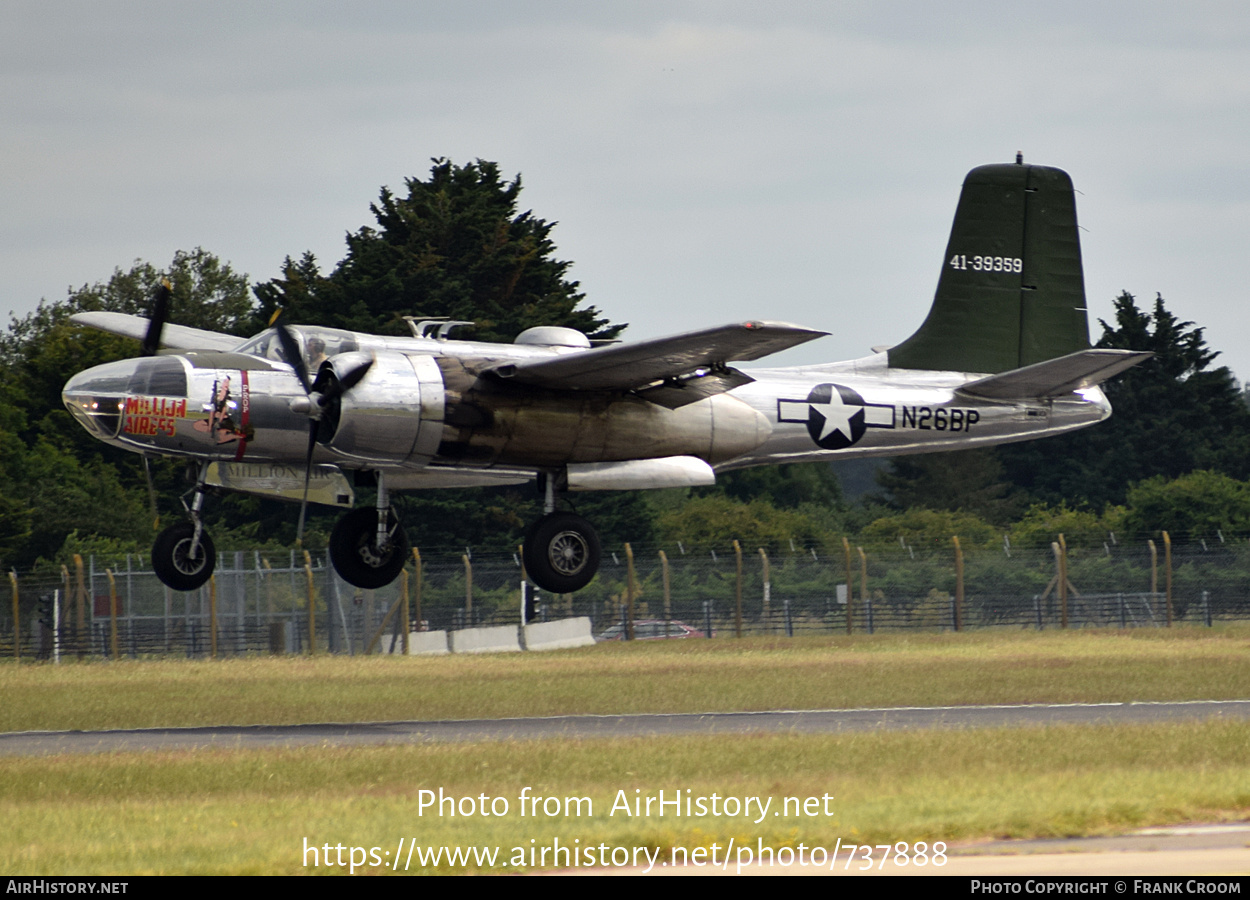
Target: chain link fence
[285,603]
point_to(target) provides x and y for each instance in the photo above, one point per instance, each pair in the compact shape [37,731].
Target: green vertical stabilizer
[1012,292]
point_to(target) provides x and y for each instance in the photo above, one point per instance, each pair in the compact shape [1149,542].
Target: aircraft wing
[687,366]
[1056,377]
[174,337]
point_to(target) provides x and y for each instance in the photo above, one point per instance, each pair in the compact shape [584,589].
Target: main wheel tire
[354,549]
[561,553]
[172,560]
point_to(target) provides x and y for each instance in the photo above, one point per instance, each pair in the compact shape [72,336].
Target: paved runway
[830,721]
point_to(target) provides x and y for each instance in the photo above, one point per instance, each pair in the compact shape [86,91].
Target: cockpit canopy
[317,345]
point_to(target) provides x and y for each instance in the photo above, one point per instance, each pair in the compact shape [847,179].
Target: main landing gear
[368,546]
[561,553]
[561,549]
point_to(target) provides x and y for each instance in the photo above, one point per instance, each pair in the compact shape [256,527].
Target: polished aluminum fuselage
[430,406]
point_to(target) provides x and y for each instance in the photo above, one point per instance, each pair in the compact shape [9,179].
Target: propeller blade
[331,389]
[303,506]
[156,321]
[290,349]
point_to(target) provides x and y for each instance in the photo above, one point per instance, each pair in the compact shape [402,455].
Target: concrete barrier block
[497,639]
[427,643]
[558,635]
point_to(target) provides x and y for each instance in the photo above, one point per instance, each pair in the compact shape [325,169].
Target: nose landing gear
[183,555]
[181,558]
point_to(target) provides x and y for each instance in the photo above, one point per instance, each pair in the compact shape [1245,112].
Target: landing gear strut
[183,555]
[368,546]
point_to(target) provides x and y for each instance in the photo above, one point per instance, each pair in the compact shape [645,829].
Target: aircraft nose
[98,397]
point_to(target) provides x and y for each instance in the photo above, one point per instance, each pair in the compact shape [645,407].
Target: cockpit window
[316,344]
[265,345]
[161,377]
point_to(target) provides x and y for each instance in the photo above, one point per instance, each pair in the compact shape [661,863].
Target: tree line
[456,243]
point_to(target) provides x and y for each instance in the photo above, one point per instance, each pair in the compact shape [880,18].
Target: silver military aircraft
[304,413]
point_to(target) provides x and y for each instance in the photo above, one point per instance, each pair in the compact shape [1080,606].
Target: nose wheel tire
[561,553]
[355,552]
[175,564]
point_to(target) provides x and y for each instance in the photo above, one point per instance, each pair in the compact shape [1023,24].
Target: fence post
[405,623]
[81,599]
[468,590]
[112,614]
[738,590]
[1167,572]
[212,616]
[707,618]
[629,592]
[17,618]
[1063,548]
[1206,607]
[312,608]
[768,590]
[66,594]
[400,604]
[524,586]
[668,595]
[863,587]
[130,600]
[1154,574]
[416,556]
[789,620]
[850,590]
[959,583]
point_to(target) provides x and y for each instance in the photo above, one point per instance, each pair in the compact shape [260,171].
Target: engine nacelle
[393,416]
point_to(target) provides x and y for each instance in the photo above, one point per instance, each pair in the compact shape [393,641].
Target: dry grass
[249,812]
[654,676]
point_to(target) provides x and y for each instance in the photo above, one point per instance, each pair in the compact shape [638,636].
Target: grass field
[237,811]
[647,676]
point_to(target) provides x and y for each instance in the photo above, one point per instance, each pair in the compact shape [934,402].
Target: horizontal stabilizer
[173,337]
[625,367]
[1055,377]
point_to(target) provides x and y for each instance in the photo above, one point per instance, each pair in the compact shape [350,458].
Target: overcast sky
[705,161]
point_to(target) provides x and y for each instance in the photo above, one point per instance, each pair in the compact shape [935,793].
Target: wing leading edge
[174,337]
[671,371]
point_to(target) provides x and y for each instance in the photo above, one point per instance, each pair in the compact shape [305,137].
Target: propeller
[324,392]
[158,317]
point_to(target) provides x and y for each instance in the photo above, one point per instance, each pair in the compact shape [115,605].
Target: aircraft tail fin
[1012,291]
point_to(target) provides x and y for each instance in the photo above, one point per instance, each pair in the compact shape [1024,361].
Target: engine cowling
[393,416]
